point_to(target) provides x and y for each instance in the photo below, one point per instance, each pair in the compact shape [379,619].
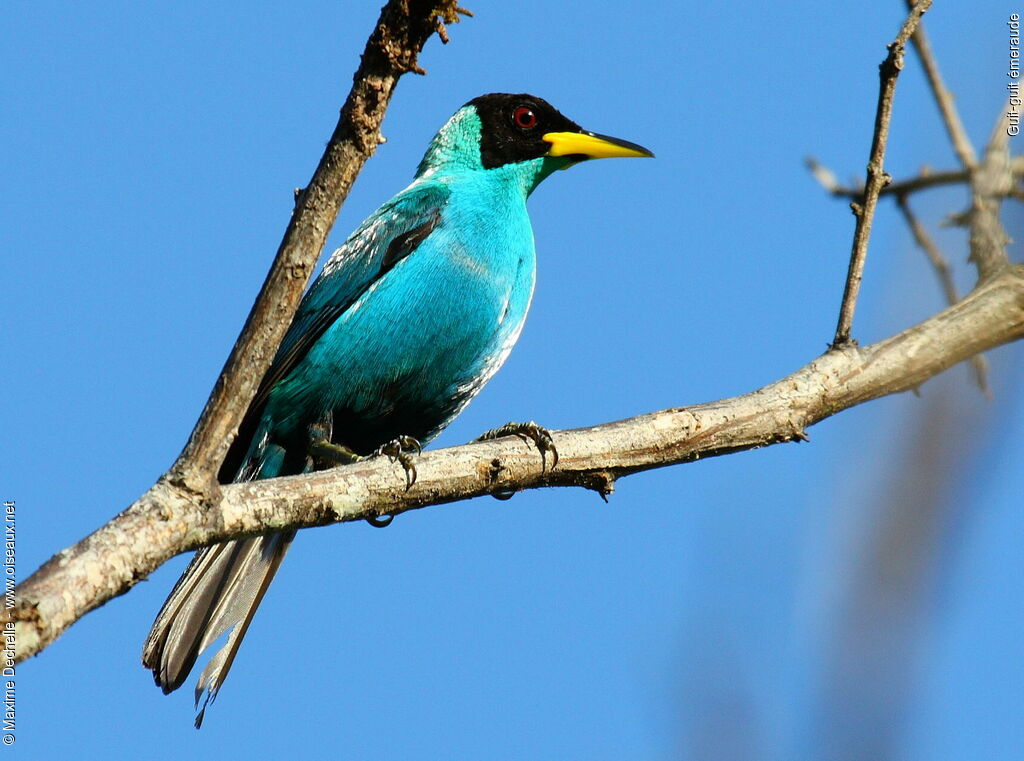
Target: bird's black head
[513,126]
[522,127]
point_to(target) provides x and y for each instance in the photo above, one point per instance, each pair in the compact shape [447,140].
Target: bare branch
[994,180]
[901,190]
[169,520]
[392,50]
[925,180]
[991,181]
[876,176]
[978,362]
[943,98]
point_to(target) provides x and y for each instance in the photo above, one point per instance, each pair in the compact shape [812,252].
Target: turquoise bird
[405,324]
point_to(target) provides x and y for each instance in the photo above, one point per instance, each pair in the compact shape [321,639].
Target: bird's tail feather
[220,589]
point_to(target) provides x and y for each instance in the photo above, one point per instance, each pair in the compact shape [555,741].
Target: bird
[405,323]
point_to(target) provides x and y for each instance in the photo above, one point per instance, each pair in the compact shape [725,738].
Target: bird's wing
[386,237]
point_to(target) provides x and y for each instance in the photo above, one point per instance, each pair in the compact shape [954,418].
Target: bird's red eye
[524,117]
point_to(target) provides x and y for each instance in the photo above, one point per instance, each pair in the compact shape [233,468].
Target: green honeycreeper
[405,324]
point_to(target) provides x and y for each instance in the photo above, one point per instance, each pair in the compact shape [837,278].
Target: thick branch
[877,178]
[168,520]
[402,29]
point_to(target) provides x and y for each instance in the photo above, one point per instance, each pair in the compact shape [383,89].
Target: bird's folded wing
[386,237]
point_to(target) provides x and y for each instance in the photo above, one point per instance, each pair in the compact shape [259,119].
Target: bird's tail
[220,589]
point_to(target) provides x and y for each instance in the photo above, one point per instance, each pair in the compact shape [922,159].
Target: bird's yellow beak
[587,145]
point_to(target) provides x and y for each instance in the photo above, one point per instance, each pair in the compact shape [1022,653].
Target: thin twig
[979,364]
[938,261]
[876,176]
[924,181]
[943,98]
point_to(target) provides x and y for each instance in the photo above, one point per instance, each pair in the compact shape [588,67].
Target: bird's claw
[399,450]
[530,431]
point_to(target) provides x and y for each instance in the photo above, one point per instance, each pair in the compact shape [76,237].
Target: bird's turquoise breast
[425,337]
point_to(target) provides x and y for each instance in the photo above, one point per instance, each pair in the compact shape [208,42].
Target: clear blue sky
[149,154]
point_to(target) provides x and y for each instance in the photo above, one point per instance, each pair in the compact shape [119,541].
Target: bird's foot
[400,450]
[530,431]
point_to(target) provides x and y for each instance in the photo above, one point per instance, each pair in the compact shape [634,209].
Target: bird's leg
[399,449]
[527,432]
[325,452]
[331,453]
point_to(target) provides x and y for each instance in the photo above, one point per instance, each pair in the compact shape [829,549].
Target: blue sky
[149,156]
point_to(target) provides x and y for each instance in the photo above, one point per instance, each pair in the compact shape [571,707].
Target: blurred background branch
[914,515]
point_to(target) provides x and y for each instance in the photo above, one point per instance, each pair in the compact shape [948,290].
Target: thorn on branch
[957,219]
[602,482]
